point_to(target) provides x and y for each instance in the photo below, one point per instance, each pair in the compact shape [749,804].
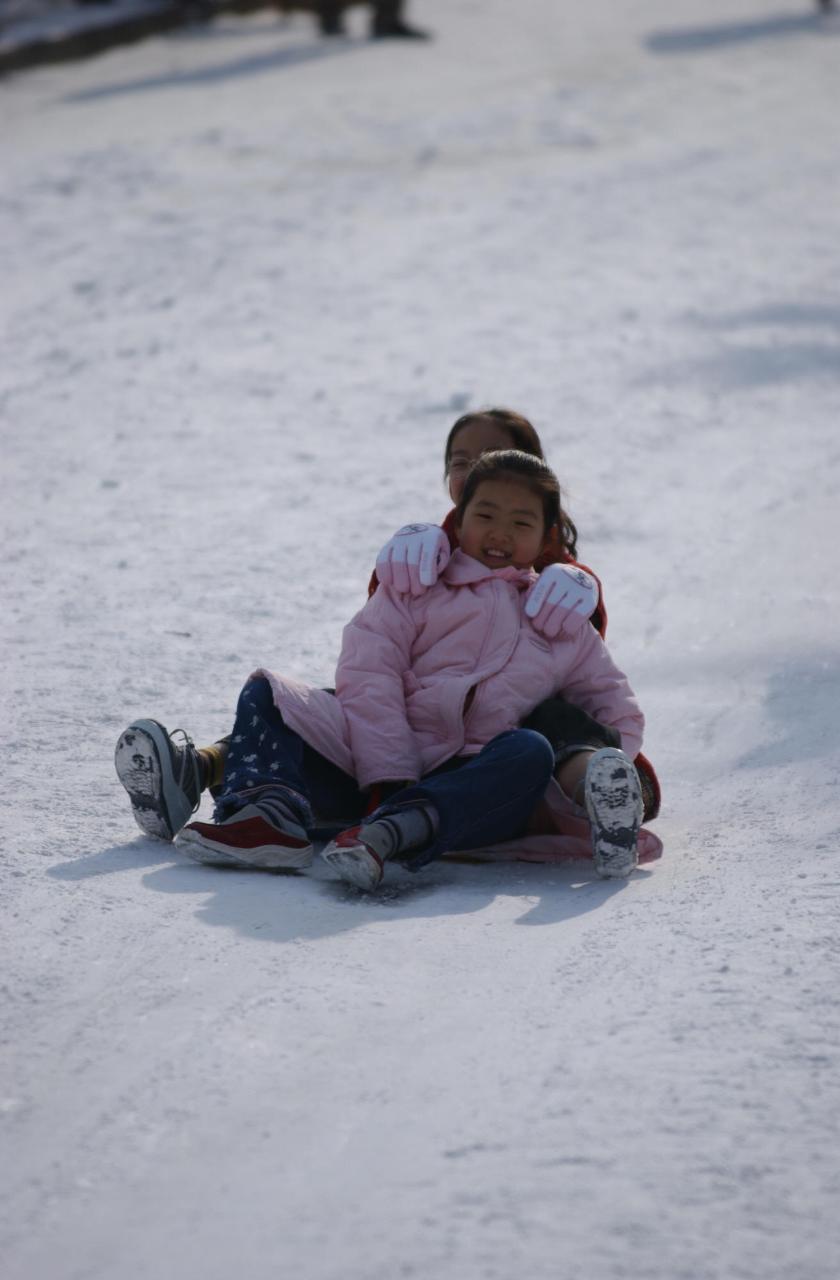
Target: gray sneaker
[162,777]
[613,799]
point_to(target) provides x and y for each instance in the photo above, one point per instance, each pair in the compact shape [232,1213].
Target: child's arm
[375,654]
[603,690]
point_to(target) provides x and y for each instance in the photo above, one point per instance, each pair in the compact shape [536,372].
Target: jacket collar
[462,571]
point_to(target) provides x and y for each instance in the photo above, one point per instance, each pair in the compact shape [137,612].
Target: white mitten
[562,600]
[412,560]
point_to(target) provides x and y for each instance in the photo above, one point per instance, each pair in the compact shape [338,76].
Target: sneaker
[354,861]
[613,799]
[162,777]
[249,838]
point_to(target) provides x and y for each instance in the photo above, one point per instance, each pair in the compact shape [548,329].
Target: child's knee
[536,752]
[257,695]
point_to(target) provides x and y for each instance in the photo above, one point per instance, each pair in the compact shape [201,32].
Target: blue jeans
[478,800]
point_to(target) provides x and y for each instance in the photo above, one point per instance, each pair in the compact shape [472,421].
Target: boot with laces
[161,775]
[613,801]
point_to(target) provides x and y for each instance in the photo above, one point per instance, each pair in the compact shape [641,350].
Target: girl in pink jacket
[165,773]
[430,693]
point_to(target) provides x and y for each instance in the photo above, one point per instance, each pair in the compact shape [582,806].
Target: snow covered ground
[249,279]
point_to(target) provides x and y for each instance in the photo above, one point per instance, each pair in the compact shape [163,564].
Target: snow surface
[249,279]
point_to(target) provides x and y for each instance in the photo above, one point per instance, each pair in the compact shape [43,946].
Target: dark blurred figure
[387,20]
[827,6]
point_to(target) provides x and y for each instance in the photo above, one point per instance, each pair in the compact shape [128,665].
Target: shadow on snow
[781,355]
[719,35]
[802,701]
[295,906]
[254,64]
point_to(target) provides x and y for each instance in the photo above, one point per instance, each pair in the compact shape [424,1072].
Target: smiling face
[503,524]
[475,438]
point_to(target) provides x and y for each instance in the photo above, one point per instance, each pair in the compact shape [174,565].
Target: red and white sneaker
[354,861]
[247,839]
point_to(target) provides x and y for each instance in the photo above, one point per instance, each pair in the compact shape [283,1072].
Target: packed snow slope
[249,280]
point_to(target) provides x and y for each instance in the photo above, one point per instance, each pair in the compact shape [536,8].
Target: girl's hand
[412,560]
[562,600]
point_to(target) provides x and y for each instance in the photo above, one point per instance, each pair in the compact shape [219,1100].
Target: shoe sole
[267,857]
[365,874]
[144,767]
[613,799]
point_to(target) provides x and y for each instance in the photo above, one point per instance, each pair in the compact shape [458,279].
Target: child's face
[503,525]
[470,443]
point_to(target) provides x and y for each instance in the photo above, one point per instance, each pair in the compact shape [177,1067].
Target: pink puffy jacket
[421,679]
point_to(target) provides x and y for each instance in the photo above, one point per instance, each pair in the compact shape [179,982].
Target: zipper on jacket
[468,705]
